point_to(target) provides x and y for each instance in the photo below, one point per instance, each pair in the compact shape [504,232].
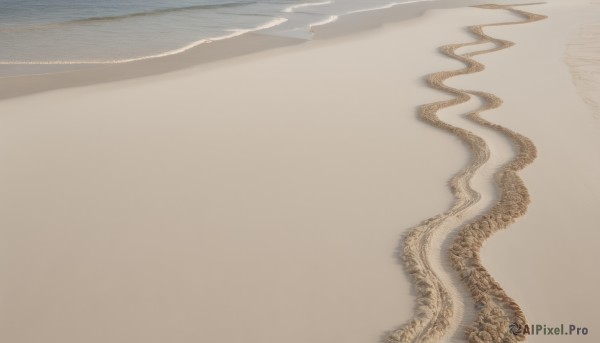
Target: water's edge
[249,43]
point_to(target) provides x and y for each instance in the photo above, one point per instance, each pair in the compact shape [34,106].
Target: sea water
[63,32]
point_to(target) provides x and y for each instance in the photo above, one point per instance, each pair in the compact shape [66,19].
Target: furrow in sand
[434,303]
[496,310]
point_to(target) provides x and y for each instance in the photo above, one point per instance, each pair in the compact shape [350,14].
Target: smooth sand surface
[262,198]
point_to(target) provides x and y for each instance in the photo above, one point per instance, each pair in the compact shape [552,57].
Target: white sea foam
[293,8]
[331,19]
[390,5]
[234,33]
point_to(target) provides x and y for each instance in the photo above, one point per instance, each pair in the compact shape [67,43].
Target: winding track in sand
[496,310]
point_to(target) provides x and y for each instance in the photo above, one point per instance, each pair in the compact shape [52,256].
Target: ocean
[68,32]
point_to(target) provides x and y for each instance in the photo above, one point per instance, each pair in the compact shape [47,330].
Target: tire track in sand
[496,310]
[434,303]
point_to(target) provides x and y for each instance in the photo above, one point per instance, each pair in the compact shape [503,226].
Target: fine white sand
[262,198]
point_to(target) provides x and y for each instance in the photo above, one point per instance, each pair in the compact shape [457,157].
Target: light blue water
[112,31]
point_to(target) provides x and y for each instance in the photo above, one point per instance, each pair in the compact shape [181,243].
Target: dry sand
[544,260]
[261,198]
[495,309]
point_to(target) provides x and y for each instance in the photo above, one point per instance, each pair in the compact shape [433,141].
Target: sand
[495,309]
[263,197]
[551,250]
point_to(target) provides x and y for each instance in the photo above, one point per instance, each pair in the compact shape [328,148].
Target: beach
[262,188]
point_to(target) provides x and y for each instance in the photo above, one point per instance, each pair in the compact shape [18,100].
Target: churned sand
[265,198]
[547,255]
[496,310]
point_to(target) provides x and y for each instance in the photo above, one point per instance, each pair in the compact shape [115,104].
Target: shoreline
[215,51]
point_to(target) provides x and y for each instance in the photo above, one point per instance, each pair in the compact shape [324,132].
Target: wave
[388,6]
[331,19]
[293,8]
[151,13]
[234,33]
[159,11]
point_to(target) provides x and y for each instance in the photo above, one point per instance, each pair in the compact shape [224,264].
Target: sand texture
[435,305]
[277,192]
[583,60]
